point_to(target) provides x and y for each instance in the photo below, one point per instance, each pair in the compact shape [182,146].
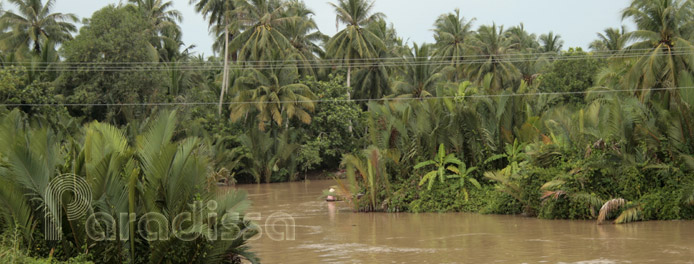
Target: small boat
[332,197]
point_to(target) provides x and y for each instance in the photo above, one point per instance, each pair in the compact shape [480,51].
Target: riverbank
[548,191]
[331,232]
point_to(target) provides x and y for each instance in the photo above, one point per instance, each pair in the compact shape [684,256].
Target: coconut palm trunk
[225,75]
[349,81]
[349,94]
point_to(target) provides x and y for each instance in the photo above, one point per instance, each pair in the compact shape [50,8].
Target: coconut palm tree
[527,44]
[221,18]
[43,65]
[451,32]
[391,40]
[273,96]
[372,82]
[178,80]
[160,12]
[163,19]
[551,43]
[303,34]
[419,75]
[492,49]
[33,25]
[664,30]
[353,42]
[612,40]
[262,37]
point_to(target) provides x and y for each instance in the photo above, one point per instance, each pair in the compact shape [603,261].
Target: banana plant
[464,175]
[514,155]
[440,163]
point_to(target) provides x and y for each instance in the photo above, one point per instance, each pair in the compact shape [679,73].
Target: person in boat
[331,197]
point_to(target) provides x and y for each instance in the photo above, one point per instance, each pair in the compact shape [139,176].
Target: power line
[370,60]
[133,67]
[389,99]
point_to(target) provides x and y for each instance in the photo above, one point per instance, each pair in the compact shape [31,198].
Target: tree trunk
[349,95]
[349,81]
[225,74]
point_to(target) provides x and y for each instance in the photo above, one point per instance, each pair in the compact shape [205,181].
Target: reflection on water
[330,232]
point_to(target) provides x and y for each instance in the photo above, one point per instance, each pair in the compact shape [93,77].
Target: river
[331,232]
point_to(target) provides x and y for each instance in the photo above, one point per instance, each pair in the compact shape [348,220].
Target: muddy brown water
[331,233]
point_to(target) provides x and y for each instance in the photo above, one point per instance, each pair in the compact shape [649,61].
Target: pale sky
[577,21]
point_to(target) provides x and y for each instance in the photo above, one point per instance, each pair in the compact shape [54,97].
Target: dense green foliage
[488,119]
[571,76]
[112,37]
[124,176]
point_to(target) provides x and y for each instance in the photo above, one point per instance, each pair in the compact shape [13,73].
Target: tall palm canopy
[274,96]
[664,28]
[33,25]
[387,33]
[166,33]
[353,42]
[161,12]
[451,32]
[492,47]
[220,17]
[261,38]
[526,42]
[551,42]
[215,11]
[220,14]
[420,76]
[372,82]
[528,46]
[303,33]
[613,40]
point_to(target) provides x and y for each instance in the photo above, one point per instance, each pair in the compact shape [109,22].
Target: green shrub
[501,203]
[661,205]
[12,252]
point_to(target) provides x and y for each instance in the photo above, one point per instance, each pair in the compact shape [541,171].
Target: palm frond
[610,207]
[629,215]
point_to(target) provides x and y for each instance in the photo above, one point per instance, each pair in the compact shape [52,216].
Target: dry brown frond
[554,194]
[609,207]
